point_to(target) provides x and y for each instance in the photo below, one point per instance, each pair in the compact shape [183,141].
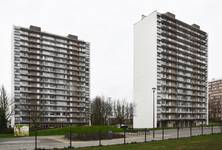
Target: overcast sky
[108,26]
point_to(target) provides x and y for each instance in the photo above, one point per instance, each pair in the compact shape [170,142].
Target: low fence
[109,138]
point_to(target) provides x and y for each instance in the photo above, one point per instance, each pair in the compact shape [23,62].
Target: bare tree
[96,114]
[119,112]
[109,111]
[101,110]
[123,112]
[215,111]
[131,112]
[106,110]
[5,112]
[35,111]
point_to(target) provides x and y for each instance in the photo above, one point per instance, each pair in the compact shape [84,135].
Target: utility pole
[153,111]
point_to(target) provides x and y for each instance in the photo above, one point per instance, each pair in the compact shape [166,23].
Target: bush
[77,129]
[7,131]
[93,136]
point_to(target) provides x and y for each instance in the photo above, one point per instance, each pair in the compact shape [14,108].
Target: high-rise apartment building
[215,100]
[51,82]
[170,68]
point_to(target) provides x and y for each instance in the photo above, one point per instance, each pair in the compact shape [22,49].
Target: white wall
[12,80]
[145,70]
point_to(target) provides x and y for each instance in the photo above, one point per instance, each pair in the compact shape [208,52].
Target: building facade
[51,78]
[170,68]
[215,100]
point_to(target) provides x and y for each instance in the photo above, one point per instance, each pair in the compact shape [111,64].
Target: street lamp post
[153,111]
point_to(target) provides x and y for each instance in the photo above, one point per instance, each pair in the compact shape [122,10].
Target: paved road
[27,143]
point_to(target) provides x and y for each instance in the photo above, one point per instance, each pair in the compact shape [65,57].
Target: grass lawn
[77,129]
[74,129]
[207,142]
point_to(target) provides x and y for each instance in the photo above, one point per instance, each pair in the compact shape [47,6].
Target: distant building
[215,100]
[170,56]
[50,78]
